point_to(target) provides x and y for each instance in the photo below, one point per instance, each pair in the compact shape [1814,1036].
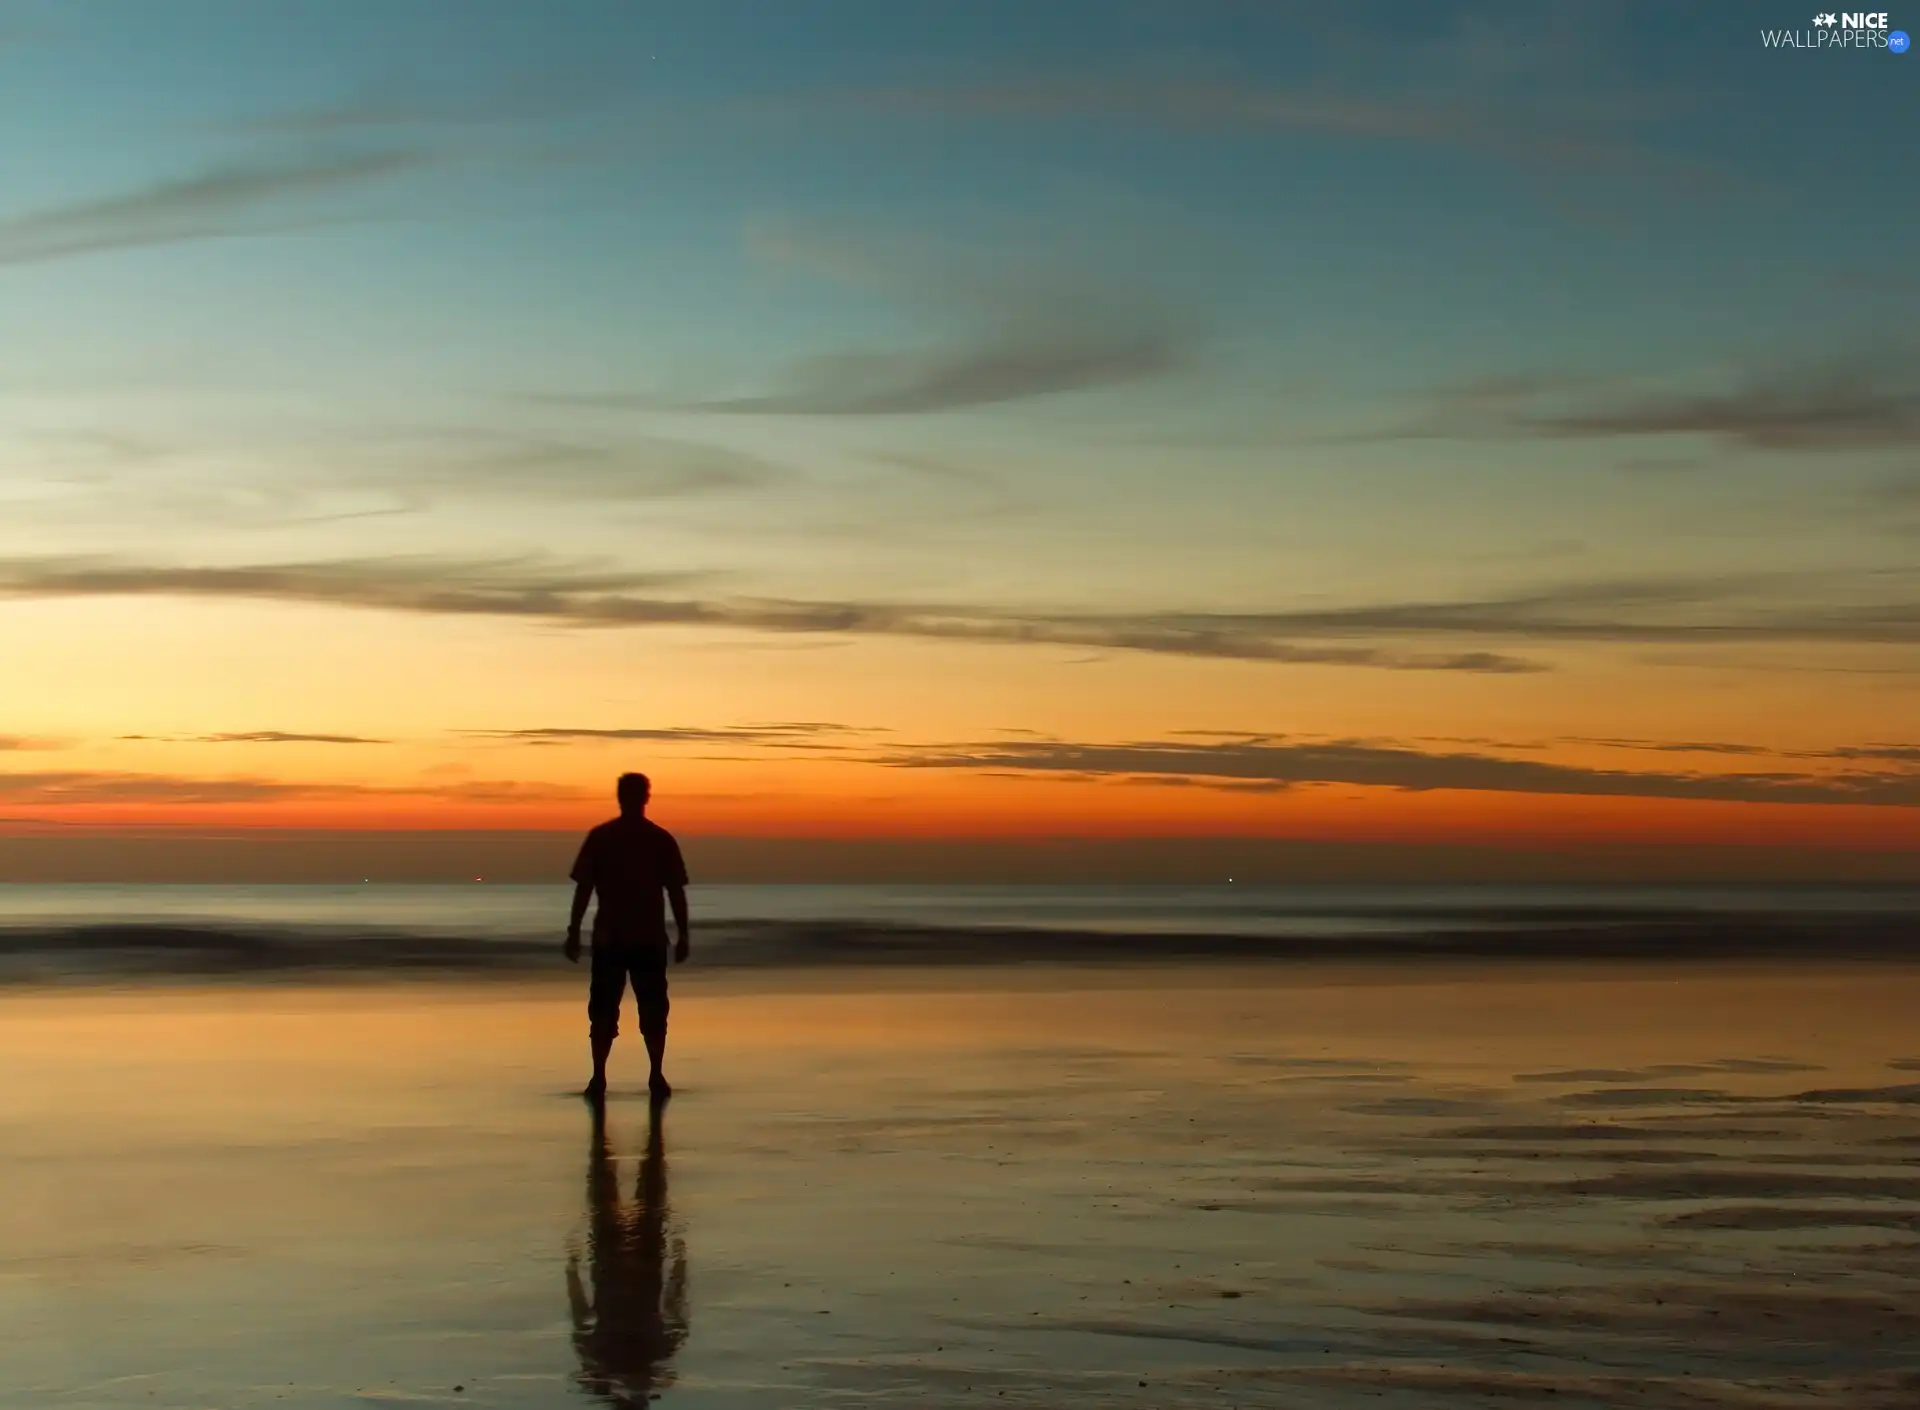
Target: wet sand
[1657,1186]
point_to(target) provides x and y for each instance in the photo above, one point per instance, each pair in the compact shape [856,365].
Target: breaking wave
[80,949]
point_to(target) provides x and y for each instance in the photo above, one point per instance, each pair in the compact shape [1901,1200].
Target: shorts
[613,967]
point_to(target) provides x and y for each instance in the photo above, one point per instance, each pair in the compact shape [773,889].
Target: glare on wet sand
[1659,1186]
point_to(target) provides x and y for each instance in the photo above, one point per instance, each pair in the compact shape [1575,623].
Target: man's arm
[677,898]
[582,893]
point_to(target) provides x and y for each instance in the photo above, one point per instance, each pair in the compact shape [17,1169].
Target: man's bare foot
[658,1088]
[596,1090]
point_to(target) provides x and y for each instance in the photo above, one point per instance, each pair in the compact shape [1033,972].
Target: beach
[1627,1184]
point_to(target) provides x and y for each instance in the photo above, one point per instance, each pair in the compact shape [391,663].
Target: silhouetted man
[630,1310]
[630,862]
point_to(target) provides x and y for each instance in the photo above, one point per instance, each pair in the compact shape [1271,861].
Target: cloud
[1015,332]
[1894,753]
[516,587]
[264,736]
[1552,89]
[333,474]
[596,597]
[80,787]
[472,461]
[238,199]
[1270,760]
[1003,365]
[1853,404]
[1217,103]
[1804,608]
[1706,610]
[1659,746]
[18,743]
[804,735]
[1828,413]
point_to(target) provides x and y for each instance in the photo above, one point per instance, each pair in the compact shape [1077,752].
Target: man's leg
[608,988]
[650,997]
[601,1045]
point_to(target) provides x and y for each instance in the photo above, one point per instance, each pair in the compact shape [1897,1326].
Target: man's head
[633,791]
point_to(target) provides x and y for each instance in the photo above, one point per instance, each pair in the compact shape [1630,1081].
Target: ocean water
[80,931]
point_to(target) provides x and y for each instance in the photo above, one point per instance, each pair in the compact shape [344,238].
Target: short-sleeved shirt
[630,862]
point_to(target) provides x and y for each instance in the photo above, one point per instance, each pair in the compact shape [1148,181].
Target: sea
[99,931]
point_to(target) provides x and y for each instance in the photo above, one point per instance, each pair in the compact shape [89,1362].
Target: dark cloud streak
[585,597]
[239,199]
[476,461]
[1703,611]
[1831,414]
[263,736]
[1853,404]
[79,787]
[808,736]
[996,369]
[1386,766]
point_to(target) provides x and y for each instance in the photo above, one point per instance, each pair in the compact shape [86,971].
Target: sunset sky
[1402,425]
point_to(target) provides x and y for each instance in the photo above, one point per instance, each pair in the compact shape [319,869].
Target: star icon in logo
[1824,20]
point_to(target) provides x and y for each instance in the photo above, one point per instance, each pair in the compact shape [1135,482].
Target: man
[629,862]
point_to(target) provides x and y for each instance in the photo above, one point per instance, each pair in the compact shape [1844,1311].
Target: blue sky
[1485,338]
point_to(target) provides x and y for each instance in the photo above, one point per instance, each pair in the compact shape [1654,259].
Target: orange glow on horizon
[1017,809]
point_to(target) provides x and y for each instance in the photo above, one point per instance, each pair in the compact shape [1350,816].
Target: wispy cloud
[1699,610]
[598,597]
[1835,411]
[477,461]
[1832,609]
[1853,404]
[80,787]
[1896,753]
[1002,365]
[333,473]
[800,735]
[239,199]
[1218,103]
[514,587]
[1012,334]
[1660,746]
[262,736]
[1547,88]
[1275,762]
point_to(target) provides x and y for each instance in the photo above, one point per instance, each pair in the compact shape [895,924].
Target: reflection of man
[632,863]
[628,1327]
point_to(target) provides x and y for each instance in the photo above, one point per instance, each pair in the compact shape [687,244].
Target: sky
[1396,426]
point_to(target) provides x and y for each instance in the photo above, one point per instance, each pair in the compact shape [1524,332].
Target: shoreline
[1132,974]
[90,955]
